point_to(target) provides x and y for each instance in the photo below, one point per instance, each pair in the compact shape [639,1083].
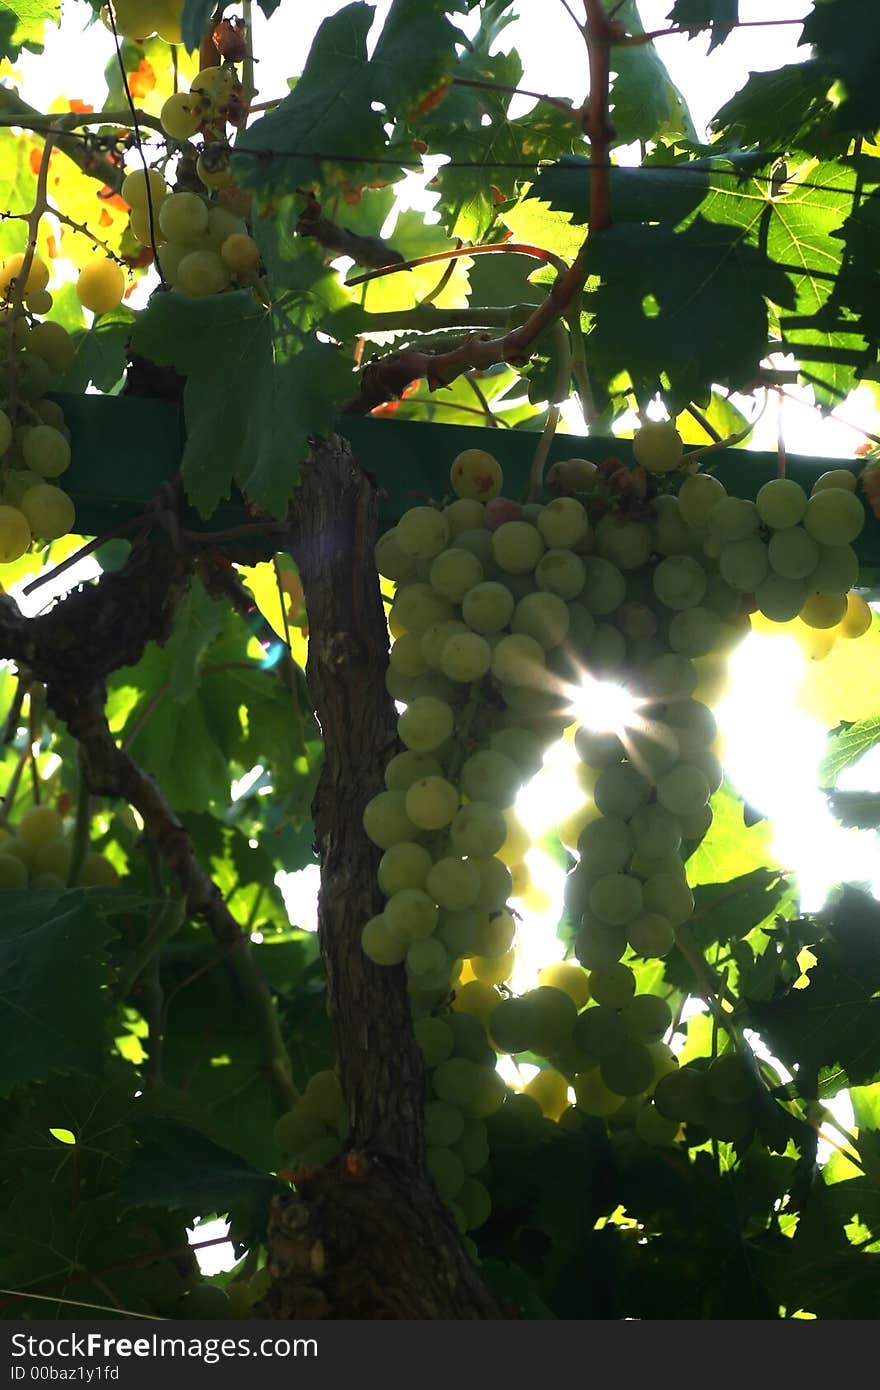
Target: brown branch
[600,32]
[521,248]
[561,103]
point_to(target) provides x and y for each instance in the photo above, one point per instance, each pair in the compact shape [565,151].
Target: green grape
[823,610]
[563,523]
[694,827]
[669,532]
[390,560]
[654,831]
[621,790]
[671,675]
[653,1128]
[598,944]
[427,957]
[605,844]
[223,224]
[446,1169]
[629,1070]
[625,543]
[653,750]
[781,503]
[598,747]
[200,273]
[380,944]
[542,616]
[792,552]
[519,660]
[511,1026]
[464,514]
[679,582]
[239,252]
[597,1031]
[521,746]
[709,765]
[728,1079]
[45,450]
[837,570]
[657,446]
[496,883]
[435,1038]
[495,934]
[54,344]
[646,1018]
[453,883]
[733,519]
[695,632]
[323,1097]
[553,1016]
[682,1095]
[410,914]
[432,645]
[385,820]
[406,656]
[683,790]
[416,606]
[478,542]
[491,776]
[517,547]
[560,572]
[478,829]
[616,899]
[459,931]
[457,1080]
[835,477]
[13,872]
[781,599]
[744,564]
[834,516]
[487,607]
[425,724]
[473,1146]
[183,217]
[38,824]
[475,1203]
[593,1096]
[612,985]
[466,657]
[455,571]
[444,1123]
[431,803]
[407,767]
[423,532]
[489,1095]
[698,495]
[134,188]
[651,935]
[476,474]
[604,587]
[669,896]
[694,724]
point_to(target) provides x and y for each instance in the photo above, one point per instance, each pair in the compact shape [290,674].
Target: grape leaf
[645,102]
[700,278]
[846,40]
[100,352]
[325,132]
[857,809]
[22,25]
[194,20]
[415,53]
[93,1122]
[178,1168]
[782,110]
[836,1019]
[47,939]
[252,403]
[703,14]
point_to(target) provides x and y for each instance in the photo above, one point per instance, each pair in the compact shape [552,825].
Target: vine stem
[633,40]
[16,298]
[454,252]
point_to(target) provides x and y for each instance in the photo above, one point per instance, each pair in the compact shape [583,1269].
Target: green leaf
[646,105]
[781,110]
[846,42]
[327,123]
[22,25]
[415,54]
[47,940]
[701,278]
[703,14]
[836,1019]
[100,352]
[180,1169]
[729,848]
[254,400]
[198,621]
[857,809]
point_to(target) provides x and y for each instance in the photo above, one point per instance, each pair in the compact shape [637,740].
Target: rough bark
[368,1237]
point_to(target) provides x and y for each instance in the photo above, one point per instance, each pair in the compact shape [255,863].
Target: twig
[703,423]
[559,102]
[630,40]
[536,472]
[518,247]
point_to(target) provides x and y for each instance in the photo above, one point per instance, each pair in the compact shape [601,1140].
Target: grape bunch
[38,853]
[34,440]
[508,621]
[203,248]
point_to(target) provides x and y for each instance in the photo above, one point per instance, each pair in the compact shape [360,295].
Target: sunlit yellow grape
[49,511]
[550,1089]
[476,474]
[823,610]
[240,254]
[134,189]
[54,344]
[37,276]
[570,978]
[179,116]
[857,619]
[100,286]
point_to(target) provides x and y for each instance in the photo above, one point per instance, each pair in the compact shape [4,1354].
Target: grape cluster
[507,621]
[203,248]
[38,853]
[311,1134]
[34,440]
